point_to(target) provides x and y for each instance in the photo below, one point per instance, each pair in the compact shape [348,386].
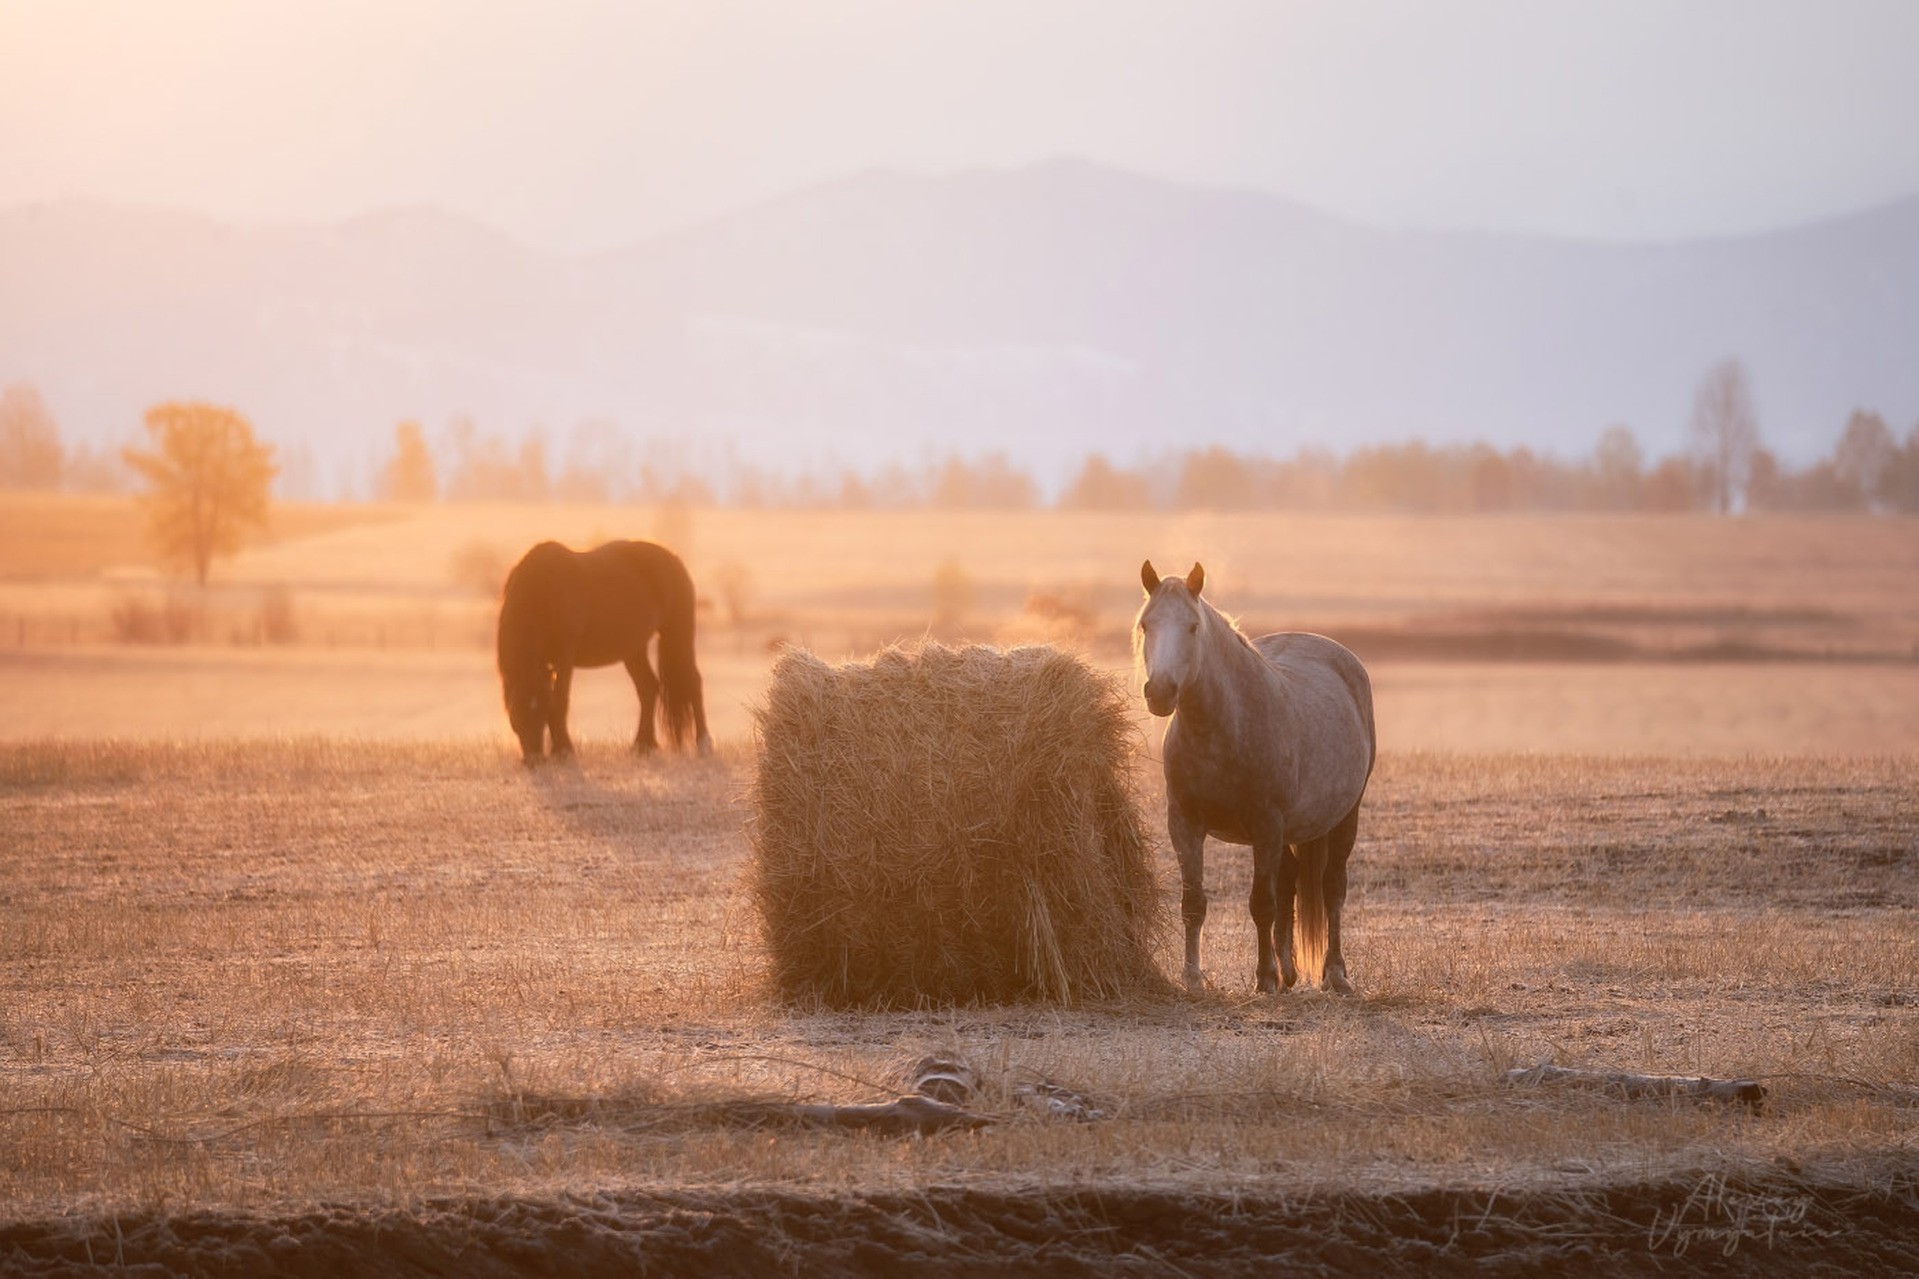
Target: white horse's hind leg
[1272,886]
[1339,846]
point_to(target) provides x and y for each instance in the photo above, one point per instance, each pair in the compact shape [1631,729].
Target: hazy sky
[579,126]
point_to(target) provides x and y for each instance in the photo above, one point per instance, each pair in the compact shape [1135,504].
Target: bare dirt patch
[1778,1225]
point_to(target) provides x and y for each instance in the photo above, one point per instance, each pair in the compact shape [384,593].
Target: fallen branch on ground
[1746,1092]
[911,1114]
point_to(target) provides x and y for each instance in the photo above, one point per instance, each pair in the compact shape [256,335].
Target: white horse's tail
[1309,911]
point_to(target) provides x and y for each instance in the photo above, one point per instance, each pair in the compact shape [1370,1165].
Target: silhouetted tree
[1492,480]
[599,465]
[1618,463]
[208,481]
[993,483]
[953,595]
[1900,483]
[1673,485]
[1307,481]
[1725,431]
[534,484]
[95,471]
[854,494]
[1216,479]
[30,452]
[1768,484]
[1865,449]
[1101,486]
[298,480]
[484,471]
[409,474]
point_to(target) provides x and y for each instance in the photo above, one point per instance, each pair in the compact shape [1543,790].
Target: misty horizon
[1490,227]
[1046,312]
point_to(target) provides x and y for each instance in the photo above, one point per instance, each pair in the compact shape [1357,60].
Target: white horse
[1270,744]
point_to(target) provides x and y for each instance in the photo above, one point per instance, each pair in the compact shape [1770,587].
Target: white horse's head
[1166,636]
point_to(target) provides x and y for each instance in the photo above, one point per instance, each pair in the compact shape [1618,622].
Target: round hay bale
[946,825]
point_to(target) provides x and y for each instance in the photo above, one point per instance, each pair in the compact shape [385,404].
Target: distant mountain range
[1046,312]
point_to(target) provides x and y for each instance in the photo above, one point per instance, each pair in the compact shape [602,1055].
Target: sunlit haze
[582,126]
[1059,636]
[828,238]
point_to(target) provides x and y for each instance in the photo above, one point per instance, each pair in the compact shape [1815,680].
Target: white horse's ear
[1196,578]
[1148,578]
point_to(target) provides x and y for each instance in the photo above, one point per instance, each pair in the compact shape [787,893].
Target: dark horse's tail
[682,699]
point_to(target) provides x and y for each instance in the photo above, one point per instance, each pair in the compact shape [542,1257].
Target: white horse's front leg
[1189,841]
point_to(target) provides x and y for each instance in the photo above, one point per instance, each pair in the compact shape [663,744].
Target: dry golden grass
[159,695]
[66,535]
[944,825]
[276,973]
[845,582]
[284,926]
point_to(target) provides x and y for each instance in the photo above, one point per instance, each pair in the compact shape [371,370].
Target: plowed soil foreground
[1784,1226]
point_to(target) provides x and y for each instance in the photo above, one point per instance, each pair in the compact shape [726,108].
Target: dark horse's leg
[1189,841]
[1339,846]
[556,716]
[703,738]
[647,685]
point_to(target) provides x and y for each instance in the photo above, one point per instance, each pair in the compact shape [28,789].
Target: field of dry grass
[297,963]
[197,694]
[844,582]
[248,979]
[388,637]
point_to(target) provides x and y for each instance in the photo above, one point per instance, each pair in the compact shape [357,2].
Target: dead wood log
[1744,1092]
[906,1116]
[946,1079]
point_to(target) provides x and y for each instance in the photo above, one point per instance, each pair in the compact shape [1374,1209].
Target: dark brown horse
[564,608]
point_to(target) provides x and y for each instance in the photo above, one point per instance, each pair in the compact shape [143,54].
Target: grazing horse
[1270,744]
[564,608]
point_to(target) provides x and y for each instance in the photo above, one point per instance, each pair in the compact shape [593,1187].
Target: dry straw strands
[951,825]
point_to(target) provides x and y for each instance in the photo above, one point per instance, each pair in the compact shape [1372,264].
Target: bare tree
[208,479]
[1863,453]
[409,474]
[1101,486]
[1725,431]
[1620,463]
[30,452]
[1900,483]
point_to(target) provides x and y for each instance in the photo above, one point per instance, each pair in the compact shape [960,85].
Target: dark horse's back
[594,607]
[563,609]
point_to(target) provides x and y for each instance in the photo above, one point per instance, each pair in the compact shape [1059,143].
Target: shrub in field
[480,567]
[273,619]
[140,619]
[951,825]
[953,595]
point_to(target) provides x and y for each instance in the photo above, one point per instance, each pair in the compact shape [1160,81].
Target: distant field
[842,581]
[405,1001]
[160,694]
[69,536]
